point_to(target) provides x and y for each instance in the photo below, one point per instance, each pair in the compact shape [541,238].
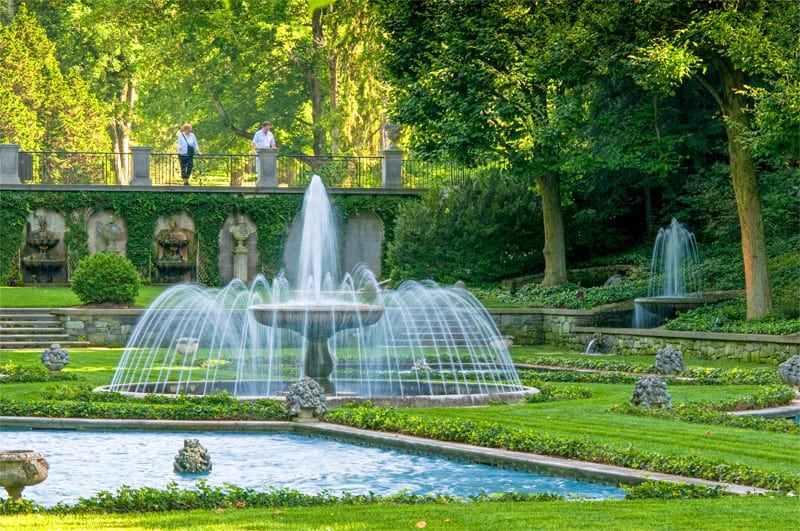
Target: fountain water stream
[416,344]
[675,279]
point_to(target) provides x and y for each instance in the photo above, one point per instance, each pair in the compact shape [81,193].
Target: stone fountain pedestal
[20,469]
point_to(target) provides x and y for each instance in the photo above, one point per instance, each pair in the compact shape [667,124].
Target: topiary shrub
[106,277]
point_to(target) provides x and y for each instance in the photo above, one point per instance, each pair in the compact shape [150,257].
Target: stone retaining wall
[573,329]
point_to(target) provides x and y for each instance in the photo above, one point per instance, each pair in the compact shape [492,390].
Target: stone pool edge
[582,470]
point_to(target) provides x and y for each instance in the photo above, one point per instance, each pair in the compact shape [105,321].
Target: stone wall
[572,329]
[101,327]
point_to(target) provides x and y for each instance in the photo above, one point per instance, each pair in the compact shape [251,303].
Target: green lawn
[60,297]
[727,514]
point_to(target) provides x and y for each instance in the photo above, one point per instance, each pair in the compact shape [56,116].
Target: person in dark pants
[187,148]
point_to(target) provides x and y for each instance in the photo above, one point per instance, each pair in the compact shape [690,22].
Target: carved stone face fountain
[41,266]
[173,263]
[20,469]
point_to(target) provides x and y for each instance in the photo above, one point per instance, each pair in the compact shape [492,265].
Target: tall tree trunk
[555,254]
[121,133]
[748,201]
[745,186]
[315,86]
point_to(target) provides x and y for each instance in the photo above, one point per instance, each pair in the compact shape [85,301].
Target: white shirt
[262,140]
[185,140]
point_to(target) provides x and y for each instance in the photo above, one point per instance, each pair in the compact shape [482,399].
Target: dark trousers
[187,162]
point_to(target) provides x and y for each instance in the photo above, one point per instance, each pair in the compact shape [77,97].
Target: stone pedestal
[391,168]
[267,168]
[9,164]
[141,166]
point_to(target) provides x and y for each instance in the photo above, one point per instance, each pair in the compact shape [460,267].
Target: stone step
[35,344]
[17,328]
[53,338]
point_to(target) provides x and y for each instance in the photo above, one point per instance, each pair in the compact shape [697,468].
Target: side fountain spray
[675,278]
[418,344]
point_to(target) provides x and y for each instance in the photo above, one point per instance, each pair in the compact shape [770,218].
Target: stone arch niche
[44,251]
[363,241]
[238,249]
[175,249]
[108,233]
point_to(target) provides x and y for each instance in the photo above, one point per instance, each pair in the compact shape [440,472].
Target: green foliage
[550,393]
[494,435]
[666,490]
[82,402]
[715,413]
[106,277]
[41,107]
[732,316]
[482,230]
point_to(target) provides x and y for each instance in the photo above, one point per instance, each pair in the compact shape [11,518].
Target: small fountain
[173,264]
[43,268]
[675,283]
[20,469]
[354,338]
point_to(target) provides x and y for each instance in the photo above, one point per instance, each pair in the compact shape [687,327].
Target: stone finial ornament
[789,371]
[651,391]
[306,398]
[55,358]
[192,458]
[669,360]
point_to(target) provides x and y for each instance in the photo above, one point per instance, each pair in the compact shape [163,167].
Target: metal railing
[225,169]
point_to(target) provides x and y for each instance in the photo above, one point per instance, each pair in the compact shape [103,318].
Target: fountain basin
[317,321]
[20,469]
[408,393]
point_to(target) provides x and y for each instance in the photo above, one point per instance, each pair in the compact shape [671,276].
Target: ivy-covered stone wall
[272,213]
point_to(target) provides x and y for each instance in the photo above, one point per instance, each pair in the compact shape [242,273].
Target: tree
[733,49]
[42,108]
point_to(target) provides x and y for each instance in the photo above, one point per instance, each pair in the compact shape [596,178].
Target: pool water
[83,463]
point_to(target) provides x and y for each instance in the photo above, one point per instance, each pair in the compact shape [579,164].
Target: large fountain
[420,343]
[675,280]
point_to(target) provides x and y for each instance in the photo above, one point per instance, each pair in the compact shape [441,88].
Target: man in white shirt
[264,139]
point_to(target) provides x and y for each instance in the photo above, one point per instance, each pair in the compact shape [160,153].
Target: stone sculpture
[669,360]
[651,391]
[306,398]
[55,358]
[192,458]
[789,372]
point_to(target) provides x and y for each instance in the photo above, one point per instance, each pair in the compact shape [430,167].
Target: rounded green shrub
[106,277]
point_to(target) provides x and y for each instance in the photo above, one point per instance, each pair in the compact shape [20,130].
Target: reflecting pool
[83,463]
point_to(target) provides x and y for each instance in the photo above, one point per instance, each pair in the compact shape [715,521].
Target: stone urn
[55,358]
[187,346]
[20,469]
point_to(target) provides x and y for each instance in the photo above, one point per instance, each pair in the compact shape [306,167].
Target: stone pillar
[9,164]
[241,231]
[267,167]
[391,168]
[141,166]
[392,163]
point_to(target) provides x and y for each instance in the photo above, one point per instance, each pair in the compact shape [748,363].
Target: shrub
[106,277]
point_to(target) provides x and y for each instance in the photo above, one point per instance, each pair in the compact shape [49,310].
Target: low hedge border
[369,416]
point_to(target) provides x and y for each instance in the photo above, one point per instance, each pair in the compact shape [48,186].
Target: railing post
[267,168]
[141,166]
[9,164]
[392,163]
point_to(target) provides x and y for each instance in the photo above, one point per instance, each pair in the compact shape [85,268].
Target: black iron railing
[225,169]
